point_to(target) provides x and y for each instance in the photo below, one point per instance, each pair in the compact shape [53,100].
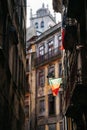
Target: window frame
[42,24]
[41,110]
[59,40]
[51,70]
[41,78]
[50,45]
[51,112]
[36,25]
[61,125]
[52,125]
[60,69]
[41,127]
[41,50]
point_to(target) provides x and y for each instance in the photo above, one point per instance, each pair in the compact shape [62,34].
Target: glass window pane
[41,106]
[42,24]
[52,127]
[41,127]
[51,105]
[41,78]
[60,69]
[41,50]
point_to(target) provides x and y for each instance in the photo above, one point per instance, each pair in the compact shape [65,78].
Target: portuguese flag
[55,85]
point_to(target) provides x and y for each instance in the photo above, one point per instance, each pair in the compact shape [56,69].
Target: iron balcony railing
[49,56]
[77,73]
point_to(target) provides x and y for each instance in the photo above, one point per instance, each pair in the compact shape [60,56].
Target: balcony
[48,57]
[76,87]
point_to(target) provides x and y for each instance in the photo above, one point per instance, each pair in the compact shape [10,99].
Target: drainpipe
[36,101]
[65,123]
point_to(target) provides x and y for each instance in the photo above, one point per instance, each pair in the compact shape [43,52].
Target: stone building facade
[12,64]
[45,56]
[31,89]
[39,23]
[74,21]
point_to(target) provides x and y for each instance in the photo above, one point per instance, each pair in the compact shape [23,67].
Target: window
[61,126]
[50,47]
[60,69]
[36,25]
[42,24]
[42,127]
[51,105]
[52,127]
[41,50]
[41,78]
[41,53]
[51,71]
[59,40]
[41,106]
